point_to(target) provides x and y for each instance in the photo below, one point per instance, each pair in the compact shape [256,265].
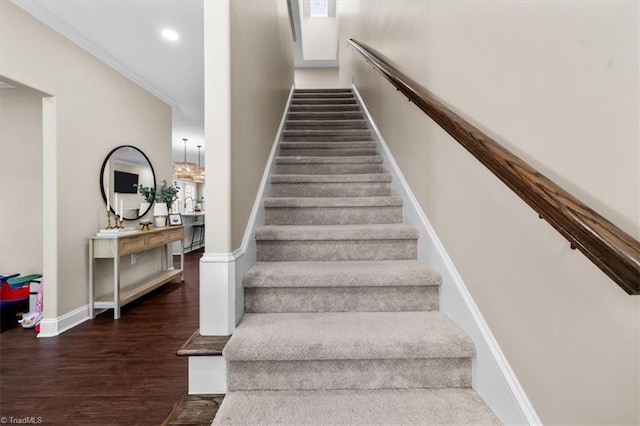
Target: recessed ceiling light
[170,35]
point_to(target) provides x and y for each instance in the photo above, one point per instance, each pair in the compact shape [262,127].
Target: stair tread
[333,93]
[324,115]
[329,122]
[355,407]
[327,145]
[337,178]
[394,231]
[293,202]
[323,107]
[330,160]
[326,132]
[327,90]
[364,273]
[323,101]
[347,336]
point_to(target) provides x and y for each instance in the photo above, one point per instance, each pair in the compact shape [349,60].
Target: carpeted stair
[342,323]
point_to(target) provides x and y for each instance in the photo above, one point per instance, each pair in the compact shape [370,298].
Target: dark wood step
[198,345]
[194,410]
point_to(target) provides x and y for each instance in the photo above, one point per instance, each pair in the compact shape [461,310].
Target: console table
[114,247]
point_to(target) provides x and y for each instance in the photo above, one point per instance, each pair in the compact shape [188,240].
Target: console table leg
[116,287]
[91,281]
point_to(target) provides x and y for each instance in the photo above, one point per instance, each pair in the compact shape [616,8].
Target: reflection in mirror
[122,170]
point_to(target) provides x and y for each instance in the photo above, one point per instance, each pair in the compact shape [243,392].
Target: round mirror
[122,171]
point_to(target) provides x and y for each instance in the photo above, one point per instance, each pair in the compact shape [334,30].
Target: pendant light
[198,175]
[184,170]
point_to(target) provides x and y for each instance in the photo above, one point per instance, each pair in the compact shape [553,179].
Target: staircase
[342,323]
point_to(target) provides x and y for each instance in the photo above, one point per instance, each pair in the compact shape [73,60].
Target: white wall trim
[54,327]
[50,254]
[59,25]
[258,204]
[493,378]
[221,291]
[246,254]
[217,294]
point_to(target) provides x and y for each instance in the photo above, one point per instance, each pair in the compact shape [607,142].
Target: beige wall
[557,83]
[318,78]
[97,110]
[20,181]
[261,78]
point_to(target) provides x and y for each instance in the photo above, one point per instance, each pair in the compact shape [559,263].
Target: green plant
[167,194]
[200,200]
[148,193]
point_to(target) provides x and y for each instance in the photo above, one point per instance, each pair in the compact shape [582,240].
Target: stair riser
[341,299]
[327,138]
[346,115]
[332,215]
[348,95]
[291,251]
[327,108]
[328,125]
[328,169]
[330,90]
[346,189]
[349,374]
[321,101]
[326,152]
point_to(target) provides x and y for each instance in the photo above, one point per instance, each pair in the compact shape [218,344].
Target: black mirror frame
[104,165]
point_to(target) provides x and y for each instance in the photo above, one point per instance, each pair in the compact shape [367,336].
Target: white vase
[160,212]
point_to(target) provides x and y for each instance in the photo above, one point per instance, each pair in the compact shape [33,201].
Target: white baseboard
[217,294]
[493,378]
[54,327]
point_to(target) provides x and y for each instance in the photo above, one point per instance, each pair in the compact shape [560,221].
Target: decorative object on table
[167,194]
[145,224]
[198,174]
[149,195]
[160,212]
[165,197]
[109,226]
[199,202]
[184,170]
[175,219]
[116,232]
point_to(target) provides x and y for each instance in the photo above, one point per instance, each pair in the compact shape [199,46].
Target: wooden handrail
[611,249]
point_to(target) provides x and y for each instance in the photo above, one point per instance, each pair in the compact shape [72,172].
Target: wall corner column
[217,266]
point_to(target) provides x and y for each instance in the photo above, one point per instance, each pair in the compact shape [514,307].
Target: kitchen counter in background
[190,219]
[193,214]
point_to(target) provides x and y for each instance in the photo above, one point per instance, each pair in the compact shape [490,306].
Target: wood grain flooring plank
[105,371]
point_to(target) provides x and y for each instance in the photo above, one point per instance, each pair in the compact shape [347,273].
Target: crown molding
[41,13]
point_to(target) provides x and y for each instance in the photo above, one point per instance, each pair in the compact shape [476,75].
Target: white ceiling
[126,35]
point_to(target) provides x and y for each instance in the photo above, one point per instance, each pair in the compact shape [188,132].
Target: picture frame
[175,219]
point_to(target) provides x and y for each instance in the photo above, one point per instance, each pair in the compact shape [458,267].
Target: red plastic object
[13,295]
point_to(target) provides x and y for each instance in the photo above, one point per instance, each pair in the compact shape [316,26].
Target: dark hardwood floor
[104,372]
